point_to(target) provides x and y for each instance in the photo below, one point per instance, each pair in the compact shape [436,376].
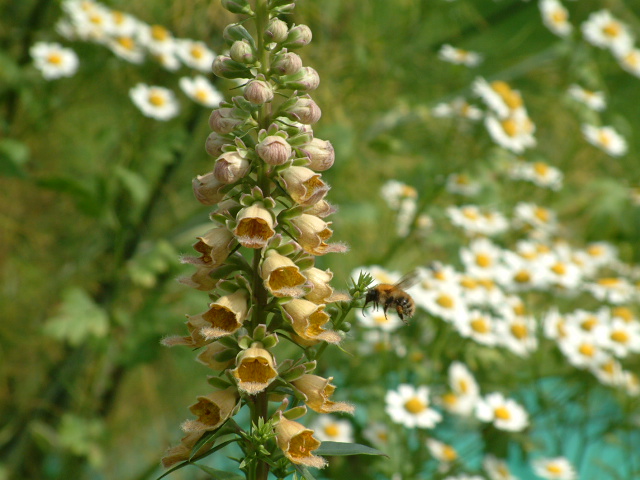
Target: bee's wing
[408,280]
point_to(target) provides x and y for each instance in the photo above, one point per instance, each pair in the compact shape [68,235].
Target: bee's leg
[387,304]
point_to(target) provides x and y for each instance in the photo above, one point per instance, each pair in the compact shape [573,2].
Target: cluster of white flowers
[133,41]
[555,17]
[507,121]
[458,107]
[592,99]
[476,221]
[403,199]
[459,56]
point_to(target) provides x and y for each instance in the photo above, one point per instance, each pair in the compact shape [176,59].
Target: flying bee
[394,296]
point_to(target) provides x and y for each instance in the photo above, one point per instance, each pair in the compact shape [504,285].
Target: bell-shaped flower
[255,370]
[282,277]
[297,442]
[313,233]
[255,226]
[321,291]
[215,246]
[224,317]
[212,410]
[308,319]
[304,185]
[318,391]
[230,167]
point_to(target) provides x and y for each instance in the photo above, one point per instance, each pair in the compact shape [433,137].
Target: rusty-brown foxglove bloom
[318,392]
[212,410]
[308,320]
[224,317]
[297,442]
[255,370]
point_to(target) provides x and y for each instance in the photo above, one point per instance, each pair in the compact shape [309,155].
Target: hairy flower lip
[224,317]
[308,318]
[297,442]
[255,370]
[318,391]
[255,226]
[282,277]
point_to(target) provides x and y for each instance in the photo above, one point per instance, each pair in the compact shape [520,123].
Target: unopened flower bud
[305,79]
[258,92]
[230,167]
[277,31]
[223,121]
[298,37]
[274,150]
[237,6]
[226,67]
[214,143]
[287,63]
[242,52]
[320,153]
[305,110]
[206,189]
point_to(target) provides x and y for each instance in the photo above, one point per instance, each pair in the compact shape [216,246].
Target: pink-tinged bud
[304,185]
[305,111]
[214,143]
[320,153]
[306,79]
[274,150]
[298,37]
[230,167]
[206,189]
[242,52]
[223,121]
[286,64]
[258,92]
[226,67]
[277,31]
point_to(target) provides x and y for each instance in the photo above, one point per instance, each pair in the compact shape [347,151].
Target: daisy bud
[224,317]
[223,121]
[255,226]
[318,390]
[209,355]
[215,246]
[287,63]
[206,189]
[212,410]
[298,37]
[255,370]
[320,154]
[313,233]
[305,111]
[274,150]
[230,167]
[297,442]
[282,277]
[258,92]
[304,185]
[214,143]
[242,52]
[305,79]
[277,31]
[307,320]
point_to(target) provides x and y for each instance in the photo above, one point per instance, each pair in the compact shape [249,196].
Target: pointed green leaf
[219,474]
[304,472]
[339,449]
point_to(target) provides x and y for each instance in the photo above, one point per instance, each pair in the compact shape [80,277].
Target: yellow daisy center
[541,168]
[510,127]
[604,138]
[612,29]
[197,52]
[620,336]
[415,405]
[587,350]
[480,325]
[541,214]
[519,331]
[470,213]
[54,58]
[449,453]
[332,430]
[609,282]
[156,99]
[201,94]
[559,269]
[523,276]
[623,313]
[589,323]
[445,301]
[502,413]
[483,260]
[159,33]
[553,468]
[126,42]
[559,16]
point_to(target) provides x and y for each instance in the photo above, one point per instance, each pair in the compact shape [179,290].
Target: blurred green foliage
[97,203]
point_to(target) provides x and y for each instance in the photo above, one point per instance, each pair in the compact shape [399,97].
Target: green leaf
[304,472]
[340,449]
[79,318]
[13,157]
[134,183]
[83,195]
[219,474]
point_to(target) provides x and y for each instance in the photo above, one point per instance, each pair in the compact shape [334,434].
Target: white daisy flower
[201,91]
[629,60]
[157,39]
[377,319]
[458,56]
[377,433]
[395,192]
[582,351]
[328,428]
[513,132]
[518,273]
[443,300]
[443,453]
[473,221]
[619,337]
[564,275]
[592,99]
[503,413]
[478,326]
[605,138]
[462,381]
[518,334]
[195,54]
[601,253]
[616,290]
[481,257]
[603,30]
[127,48]
[631,383]
[53,60]
[155,102]
[539,173]
[540,221]
[90,21]
[555,17]
[123,25]
[609,372]
[554,325]
[410,407]
[461,184]
[494,95]
[558,468]
[458,107]
[497,469]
